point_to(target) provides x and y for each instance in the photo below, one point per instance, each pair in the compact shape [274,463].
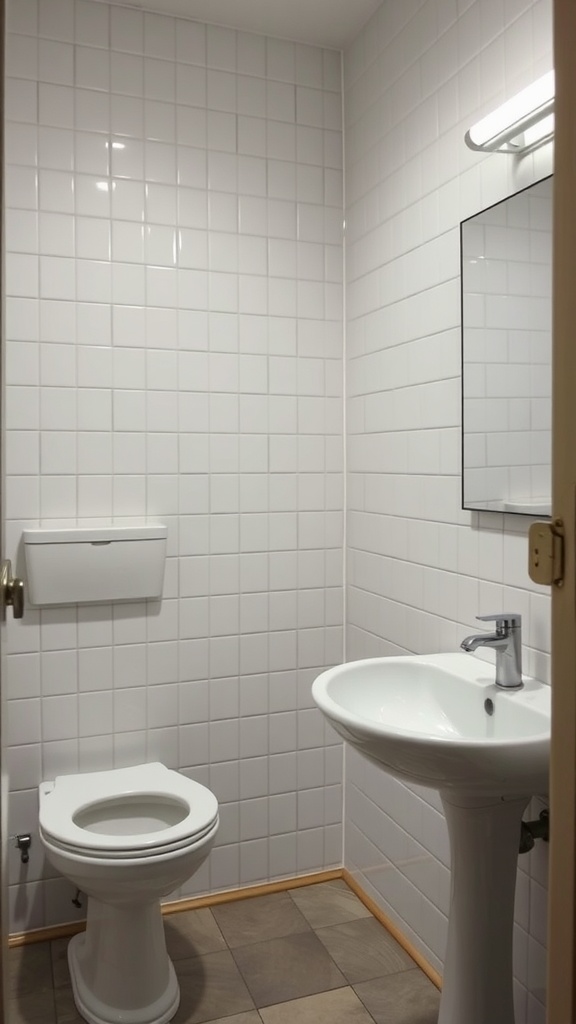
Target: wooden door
[562,905]
[3,776]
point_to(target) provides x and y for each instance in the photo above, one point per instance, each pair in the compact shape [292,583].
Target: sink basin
[426,719]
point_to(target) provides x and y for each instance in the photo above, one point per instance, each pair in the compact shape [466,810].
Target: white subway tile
[160,245]
[159,36]
[127,29]
[92,110]
[58,497]
[56,233]
[93,281]
[21,144]
[129,410]
[95,453]
[127,159]
[56,191]
[159,80]
[221,131]
[21,100]
[22,57]
[126,116]
[129,201]
[23,17]
[126,74]
[92,23]
[92,68]
[95,714]
[56,19]
[160,121]
[92,195]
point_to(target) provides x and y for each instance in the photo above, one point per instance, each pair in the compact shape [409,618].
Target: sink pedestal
[484,839]
[439,720]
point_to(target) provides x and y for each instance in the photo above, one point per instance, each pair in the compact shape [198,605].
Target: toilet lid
[144,809]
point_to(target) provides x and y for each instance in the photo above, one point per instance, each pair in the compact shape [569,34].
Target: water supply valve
[23,843]
[530,831]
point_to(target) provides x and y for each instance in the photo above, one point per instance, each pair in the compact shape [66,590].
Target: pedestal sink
[441,722]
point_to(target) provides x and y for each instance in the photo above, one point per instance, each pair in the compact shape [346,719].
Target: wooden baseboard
[57,931]
[64,931]
[246,893]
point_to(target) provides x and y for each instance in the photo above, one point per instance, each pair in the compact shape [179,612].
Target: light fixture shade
[520,124]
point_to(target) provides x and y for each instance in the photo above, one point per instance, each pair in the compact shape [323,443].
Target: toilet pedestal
[120,970]
[127,838]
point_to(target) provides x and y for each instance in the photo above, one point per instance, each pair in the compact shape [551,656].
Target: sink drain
[489,706]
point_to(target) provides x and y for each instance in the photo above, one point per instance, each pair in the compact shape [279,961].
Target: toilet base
[121,972]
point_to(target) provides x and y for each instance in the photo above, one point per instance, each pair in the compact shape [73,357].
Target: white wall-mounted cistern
[91,565]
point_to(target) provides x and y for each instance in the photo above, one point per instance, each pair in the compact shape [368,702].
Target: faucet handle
[507,620]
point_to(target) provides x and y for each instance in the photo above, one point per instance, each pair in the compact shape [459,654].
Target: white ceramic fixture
[440,721]
[126,838]
[95,564]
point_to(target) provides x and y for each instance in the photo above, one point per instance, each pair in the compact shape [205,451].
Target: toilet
[126,838]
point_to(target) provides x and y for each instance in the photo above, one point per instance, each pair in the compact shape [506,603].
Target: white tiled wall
[174,350]
[507,351]
[420,569]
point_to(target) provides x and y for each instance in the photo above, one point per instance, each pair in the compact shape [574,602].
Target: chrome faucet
[506,640]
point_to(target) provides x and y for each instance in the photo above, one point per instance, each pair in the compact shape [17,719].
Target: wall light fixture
[521,124]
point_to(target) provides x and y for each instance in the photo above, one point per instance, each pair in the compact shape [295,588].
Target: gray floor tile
[406,998]
[287,968]
[66,1012]
[192,933]
[60,971]
[258,919]
[363,950]
[328,903]
[32,1008]
[29,969]
[211,987]
[313,955]
[341,1006]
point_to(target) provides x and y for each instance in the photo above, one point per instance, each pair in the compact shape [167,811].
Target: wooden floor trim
[58,931]
[246,893]
[64,931]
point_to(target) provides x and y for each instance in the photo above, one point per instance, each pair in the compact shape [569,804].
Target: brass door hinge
[546,553]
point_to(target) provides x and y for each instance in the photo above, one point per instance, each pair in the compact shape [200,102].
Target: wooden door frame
[3,771]
[562,888]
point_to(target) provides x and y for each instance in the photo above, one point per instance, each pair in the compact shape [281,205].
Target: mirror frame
[467,507]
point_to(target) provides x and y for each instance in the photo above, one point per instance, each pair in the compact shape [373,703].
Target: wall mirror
[506,276]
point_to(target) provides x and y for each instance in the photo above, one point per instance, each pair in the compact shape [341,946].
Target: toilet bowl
[125,838]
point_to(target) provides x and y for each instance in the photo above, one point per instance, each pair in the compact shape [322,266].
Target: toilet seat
[88,814]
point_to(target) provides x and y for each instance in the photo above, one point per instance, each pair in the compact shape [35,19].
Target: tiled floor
[313,955]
